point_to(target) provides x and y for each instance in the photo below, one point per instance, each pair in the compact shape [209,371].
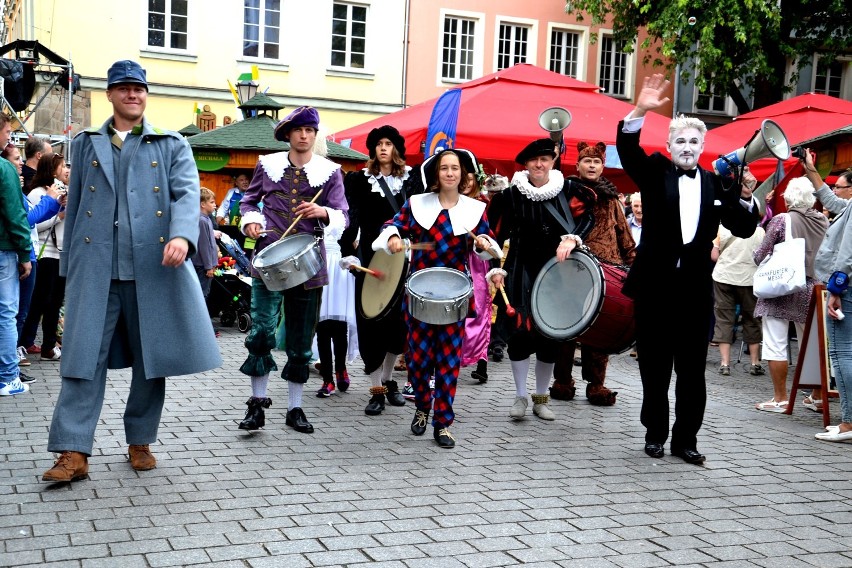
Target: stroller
[230,291]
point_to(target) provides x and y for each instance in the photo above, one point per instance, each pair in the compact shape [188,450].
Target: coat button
[156,189]
[91,188]
[87,239]
[89,213]
[292,201]
[295,191]
[154,164]
[162,239]
[95,163]
[159,213]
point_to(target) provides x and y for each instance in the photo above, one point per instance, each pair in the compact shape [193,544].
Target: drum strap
[568,224]
[389,195]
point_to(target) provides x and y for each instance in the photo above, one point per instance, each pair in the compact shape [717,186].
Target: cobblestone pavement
[577,492]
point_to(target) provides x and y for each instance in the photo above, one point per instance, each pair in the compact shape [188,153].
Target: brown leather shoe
[141,458]
[70,466]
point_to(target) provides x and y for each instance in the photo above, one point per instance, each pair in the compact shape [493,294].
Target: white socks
[520,369]
[258,386]
[294,393]
[543,375]
[387,368]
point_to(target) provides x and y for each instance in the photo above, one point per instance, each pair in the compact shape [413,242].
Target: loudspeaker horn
[769,140]
[554,120]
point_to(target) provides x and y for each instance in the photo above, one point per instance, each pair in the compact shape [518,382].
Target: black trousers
[332,332]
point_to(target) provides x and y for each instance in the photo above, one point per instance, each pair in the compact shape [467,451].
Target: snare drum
[438,296]
[581,299]
[381,296]
[289,262]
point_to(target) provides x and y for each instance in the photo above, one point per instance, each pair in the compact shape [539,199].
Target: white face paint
[685,147]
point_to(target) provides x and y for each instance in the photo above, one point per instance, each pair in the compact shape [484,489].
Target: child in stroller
[230,293]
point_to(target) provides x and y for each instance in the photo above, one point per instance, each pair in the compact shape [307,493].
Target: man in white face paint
[682,207]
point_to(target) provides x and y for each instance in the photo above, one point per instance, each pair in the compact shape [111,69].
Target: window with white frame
[348,35]
[709,101]
[613,69]
[457,48]
[565,52]
[828,78]
[167,23]
[262,28]
[512,45]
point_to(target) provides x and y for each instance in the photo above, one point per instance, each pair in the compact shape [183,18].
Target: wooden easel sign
[813,364]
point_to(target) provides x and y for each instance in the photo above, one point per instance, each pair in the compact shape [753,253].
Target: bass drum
[581,299]
[380,296]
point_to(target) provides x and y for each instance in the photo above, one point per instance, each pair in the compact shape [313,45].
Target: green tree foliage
[729,44]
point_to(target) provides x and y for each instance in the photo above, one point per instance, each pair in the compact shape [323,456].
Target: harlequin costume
[280,186]
[520,214]
[381,340]
[611,241]
[435,350]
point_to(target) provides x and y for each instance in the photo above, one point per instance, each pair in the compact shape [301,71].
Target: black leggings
[329,331]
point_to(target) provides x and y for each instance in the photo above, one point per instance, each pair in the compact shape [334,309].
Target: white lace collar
[464,216]
[551,189]
[394,183]
[317,170]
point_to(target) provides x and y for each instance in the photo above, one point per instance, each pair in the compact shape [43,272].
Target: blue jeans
[840,352]
[27,285]
[9,291]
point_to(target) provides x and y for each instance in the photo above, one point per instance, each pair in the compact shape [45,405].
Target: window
[348,35]
[613,67]
[457,48]
[564,52]
[167,23]
[512,45]
[262,28]
[829,78]
[709,101]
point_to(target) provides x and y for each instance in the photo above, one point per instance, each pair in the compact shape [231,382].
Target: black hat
[536,148]
[389,132]
[126,71]
[302,116]
[427,168]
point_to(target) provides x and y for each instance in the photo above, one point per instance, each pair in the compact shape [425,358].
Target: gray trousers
[80,400]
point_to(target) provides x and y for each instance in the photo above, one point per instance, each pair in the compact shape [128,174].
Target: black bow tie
[690,173]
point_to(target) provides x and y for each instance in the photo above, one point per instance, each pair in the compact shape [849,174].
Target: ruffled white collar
[394,183]
[317,170]
[464,216]
[551,189]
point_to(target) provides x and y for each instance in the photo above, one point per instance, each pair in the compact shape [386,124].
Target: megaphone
[768,141]
[555,120]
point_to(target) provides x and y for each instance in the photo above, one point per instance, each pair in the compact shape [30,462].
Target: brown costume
[610,241]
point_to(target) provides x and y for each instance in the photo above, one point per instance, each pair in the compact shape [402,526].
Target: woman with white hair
[777,313]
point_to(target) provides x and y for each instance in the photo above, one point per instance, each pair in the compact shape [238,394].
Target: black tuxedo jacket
[661,245]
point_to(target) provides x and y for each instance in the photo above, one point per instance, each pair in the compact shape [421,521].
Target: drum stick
[510,311]
[299,218]
[375,273]
[421,246]
[490,251]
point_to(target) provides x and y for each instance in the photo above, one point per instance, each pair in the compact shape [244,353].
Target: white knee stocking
[294,393]
[387,368]
[259,385]
[520,369]
[543,376]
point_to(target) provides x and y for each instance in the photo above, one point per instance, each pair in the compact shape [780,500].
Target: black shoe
[26,379]
[298,421]
[393,395]
[654,450]
[444,438]
[481,371]
[497,354]
[418,425]
[255,417]
[376,405]
[689,456]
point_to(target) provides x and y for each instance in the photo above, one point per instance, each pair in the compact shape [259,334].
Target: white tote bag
[782,272]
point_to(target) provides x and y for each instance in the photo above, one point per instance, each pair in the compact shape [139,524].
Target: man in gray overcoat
[132,296]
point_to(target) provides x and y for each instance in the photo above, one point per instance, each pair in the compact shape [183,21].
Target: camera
[798,152]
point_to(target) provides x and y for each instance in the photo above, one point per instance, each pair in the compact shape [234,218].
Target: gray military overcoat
[161,182]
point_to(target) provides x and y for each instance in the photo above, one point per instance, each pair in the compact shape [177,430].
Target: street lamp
[246,90]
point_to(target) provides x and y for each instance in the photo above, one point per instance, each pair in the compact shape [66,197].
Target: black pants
[328,332]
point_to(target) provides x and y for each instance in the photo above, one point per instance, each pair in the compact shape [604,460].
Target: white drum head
[567,296]
[439,284]
[286,248]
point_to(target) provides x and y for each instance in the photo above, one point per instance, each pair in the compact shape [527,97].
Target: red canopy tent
[801,118]
[498,116]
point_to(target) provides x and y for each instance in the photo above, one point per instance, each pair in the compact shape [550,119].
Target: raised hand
[651,95]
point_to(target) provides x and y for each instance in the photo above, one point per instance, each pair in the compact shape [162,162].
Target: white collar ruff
[464,216]
[394,183]
[551,189]
[317,170]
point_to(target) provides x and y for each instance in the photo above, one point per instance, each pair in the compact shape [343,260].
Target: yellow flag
[255,73]
[234,93]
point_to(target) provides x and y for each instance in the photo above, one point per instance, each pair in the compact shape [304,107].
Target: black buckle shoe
[255,417]
[481,371]
[393,395]
[376,405]
[297,420]
[497,354]
[444,438]
[418,425]
[689,456]
[654,450]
